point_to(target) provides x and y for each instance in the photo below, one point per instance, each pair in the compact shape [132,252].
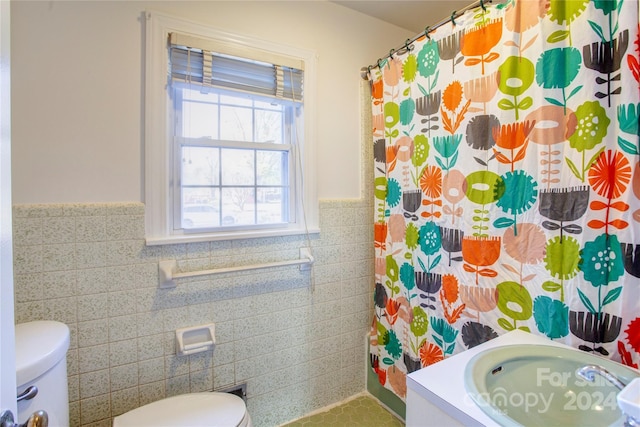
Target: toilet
[207,409]
[41,370]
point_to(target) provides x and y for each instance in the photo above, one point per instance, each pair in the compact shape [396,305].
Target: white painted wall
[77,86]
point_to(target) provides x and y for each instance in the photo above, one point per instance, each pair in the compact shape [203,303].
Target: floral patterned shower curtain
[507,184]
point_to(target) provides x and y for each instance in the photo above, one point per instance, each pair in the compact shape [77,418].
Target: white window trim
[158,230]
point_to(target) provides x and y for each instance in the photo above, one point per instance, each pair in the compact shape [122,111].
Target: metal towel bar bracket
[167,268]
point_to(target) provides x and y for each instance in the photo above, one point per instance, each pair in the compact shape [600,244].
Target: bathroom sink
[537,385]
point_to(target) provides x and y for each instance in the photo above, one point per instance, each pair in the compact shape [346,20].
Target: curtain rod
[364,71]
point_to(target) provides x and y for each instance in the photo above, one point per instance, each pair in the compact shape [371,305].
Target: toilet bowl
[207,409]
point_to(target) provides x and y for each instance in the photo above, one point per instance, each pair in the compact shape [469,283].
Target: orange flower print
[479,42]
[377,89]
[450,288]
[391,310]
[380,235]
[448,296]
[430,354]
[392,154]
[431,181]
[452,96]
[451,100]
[480,252]
[511,137]
[610,174]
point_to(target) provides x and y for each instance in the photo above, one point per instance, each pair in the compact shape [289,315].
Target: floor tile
[363,411]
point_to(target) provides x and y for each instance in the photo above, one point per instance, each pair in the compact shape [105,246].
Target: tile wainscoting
[298,342]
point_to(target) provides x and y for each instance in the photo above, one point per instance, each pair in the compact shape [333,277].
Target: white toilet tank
[41,361]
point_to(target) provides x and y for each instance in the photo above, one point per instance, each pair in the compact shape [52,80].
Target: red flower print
[633,334]
[610,174]
[431,181]
[430,354]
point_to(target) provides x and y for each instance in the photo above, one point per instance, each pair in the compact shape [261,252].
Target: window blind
[198,64]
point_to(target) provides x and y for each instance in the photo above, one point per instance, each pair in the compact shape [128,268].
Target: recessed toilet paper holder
[195,339]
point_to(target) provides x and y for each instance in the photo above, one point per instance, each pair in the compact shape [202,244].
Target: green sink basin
[537,385]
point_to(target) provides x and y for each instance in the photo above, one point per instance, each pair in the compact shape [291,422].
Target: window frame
[159,146]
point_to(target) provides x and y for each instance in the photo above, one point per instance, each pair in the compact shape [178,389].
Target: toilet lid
[40,345]
[187,410]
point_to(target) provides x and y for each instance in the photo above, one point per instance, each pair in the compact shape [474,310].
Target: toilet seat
[189,410]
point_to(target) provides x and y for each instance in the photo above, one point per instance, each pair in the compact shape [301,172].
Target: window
[228,142]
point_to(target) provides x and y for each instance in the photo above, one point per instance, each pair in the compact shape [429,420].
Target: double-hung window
[234,142]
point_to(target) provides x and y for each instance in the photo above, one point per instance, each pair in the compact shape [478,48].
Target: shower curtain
[507,184]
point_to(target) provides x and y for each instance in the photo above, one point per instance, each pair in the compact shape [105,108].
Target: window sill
[235,235]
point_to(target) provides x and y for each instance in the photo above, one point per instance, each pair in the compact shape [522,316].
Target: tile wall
[296,338]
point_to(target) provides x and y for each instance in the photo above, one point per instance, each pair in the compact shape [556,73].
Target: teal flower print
[556,69]
[394,192]
[430,239]
[407,109]
[629,120]
[551,316]
[447,335]
[519,193]
[393,345]
[407,276]
[601,260]
[443,329]
[428,59]
[447,147]
[606,6]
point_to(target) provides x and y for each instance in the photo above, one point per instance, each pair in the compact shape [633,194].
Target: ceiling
[412,15]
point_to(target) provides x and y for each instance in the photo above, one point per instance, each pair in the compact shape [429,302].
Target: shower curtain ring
[406,45]
[453,17]
[379,66]
[484,8]
[391,52]
[426,32]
